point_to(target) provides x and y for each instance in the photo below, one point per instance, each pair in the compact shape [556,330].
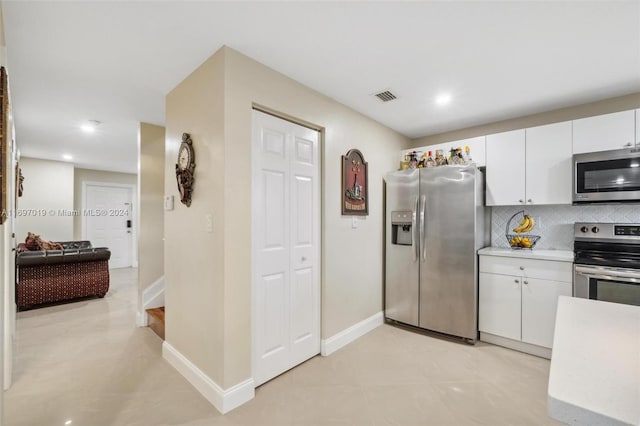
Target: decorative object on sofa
[46,276]
[185,168]
[34,242]
[4,141]
[355,185]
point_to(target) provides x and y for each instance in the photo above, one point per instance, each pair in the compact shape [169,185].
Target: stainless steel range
[607,262]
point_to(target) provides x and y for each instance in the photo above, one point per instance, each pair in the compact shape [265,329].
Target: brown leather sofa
[45,276]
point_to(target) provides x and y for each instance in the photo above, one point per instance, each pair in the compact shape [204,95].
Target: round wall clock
[185,168]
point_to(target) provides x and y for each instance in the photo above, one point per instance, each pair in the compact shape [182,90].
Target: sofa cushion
[50,257]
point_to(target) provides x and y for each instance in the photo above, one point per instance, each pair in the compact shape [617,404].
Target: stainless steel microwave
[607,176]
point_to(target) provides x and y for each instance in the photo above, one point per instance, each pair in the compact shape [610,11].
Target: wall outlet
[208,219]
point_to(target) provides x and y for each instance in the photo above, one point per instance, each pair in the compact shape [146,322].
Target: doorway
[286,245]
[107,220]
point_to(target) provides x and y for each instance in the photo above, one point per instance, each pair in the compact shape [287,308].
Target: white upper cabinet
[530,166]
[548,165]
[505,180]
[638,127]
[604,132]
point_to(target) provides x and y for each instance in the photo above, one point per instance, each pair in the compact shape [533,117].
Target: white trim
[343,338]
[516,345]
[142,319]
[153,296]
[223,400]
[134,213]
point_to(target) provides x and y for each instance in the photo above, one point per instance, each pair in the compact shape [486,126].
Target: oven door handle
[626,276]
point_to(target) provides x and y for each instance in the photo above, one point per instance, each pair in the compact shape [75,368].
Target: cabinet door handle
[522,268]
[628,144]
[521,201]
[529,200]
[526,282]
[516,281]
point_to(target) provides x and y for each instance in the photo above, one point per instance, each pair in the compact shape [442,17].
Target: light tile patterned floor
[87,362]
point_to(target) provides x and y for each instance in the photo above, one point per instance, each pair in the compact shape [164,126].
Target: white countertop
[558,255]
[595,366]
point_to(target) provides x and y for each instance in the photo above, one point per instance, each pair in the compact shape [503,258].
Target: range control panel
[633,230]
[607,231]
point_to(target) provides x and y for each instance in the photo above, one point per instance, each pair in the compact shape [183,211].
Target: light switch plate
[354,222]
[168,202]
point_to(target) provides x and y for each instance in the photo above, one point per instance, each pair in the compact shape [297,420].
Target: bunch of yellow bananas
[524,242]
[526,225]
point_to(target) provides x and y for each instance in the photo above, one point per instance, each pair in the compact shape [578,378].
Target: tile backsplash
[555,223]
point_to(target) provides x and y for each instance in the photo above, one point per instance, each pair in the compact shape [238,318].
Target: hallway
[87,364]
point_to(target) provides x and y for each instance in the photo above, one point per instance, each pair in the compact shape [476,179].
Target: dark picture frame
[355,184]
[4,142]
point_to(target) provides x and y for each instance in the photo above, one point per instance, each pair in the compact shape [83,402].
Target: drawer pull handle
[516,281]
[526,282]
[522,268]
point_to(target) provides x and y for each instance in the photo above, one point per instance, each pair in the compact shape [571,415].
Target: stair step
[156,321]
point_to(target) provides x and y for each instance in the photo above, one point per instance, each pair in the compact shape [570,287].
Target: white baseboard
[536,350]
[223,400]
[153,296]
[337,341]
[142,320]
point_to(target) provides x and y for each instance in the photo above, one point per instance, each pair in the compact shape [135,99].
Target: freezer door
[448,289]
[401,247]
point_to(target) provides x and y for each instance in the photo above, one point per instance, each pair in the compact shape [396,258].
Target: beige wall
[194,259]
[3,45]
[606,106]
[150,200]
[351,291]
[89,175]
[48,194]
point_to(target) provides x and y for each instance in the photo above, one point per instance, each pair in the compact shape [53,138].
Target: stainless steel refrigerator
[435,223]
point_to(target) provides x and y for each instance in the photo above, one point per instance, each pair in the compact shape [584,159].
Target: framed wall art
[4,141]
[355,184]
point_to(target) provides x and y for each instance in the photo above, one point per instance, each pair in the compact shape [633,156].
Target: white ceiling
[115,61]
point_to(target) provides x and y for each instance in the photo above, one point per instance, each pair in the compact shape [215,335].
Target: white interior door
[286,245]
[107,216]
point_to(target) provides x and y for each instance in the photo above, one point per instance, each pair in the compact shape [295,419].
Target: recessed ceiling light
[90,126]
[443,99]
[67,157]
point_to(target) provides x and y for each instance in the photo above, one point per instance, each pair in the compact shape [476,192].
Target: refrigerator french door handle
[414,244]
[423,219]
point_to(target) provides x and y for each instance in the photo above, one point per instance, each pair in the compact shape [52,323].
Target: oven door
[606,176]
[607,284]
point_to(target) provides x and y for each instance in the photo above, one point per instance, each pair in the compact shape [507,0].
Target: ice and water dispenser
[401,227]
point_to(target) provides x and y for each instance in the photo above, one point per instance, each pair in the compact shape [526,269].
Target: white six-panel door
[286,245]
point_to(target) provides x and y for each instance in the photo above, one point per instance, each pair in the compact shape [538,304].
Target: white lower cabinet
[518,300]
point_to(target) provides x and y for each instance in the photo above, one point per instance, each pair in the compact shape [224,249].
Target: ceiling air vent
[385,96]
